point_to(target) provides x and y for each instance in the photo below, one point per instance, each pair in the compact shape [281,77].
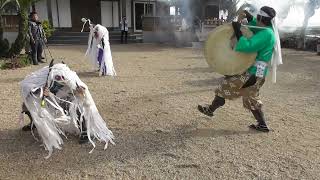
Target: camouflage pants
[231,88]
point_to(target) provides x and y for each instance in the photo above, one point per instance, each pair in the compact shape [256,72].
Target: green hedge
[19,62]
[48,29]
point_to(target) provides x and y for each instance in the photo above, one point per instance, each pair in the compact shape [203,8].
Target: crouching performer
[58,102]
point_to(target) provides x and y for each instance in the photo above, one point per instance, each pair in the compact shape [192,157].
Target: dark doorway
[83,8]
[212,11]
[142,9]
[139,12]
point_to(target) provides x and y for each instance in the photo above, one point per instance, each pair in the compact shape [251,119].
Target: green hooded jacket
[262,42]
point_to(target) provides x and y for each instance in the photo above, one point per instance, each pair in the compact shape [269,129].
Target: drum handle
[257,27]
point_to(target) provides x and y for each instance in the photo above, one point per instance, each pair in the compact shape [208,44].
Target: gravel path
[151,108]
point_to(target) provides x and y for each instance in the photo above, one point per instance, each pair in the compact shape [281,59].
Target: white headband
[264,14]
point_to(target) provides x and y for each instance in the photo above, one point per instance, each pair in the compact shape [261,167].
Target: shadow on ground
[129,143]
[192,70]
[204,82]
[89,74]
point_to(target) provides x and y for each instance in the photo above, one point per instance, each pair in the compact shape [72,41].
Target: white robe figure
[99,50]
[51,119]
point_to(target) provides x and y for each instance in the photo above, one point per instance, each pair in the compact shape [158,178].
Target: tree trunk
[19,43]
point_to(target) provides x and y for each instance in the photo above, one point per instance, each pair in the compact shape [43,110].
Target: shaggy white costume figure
[99,50]
[58,102]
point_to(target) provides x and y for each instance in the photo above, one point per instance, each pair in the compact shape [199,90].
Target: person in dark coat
[37,38]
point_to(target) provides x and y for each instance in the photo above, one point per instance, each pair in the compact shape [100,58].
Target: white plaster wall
[42,10]
[116,20]
[54,13]
[64,13]
[129,13]
[106,14]
[11,36]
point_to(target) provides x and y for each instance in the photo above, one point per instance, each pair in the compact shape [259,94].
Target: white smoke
[290,13]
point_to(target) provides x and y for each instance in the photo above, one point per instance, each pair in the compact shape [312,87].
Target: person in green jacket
[248,84]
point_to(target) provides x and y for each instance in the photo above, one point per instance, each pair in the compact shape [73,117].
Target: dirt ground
[151,109]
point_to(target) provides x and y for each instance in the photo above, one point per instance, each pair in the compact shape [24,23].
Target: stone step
[64,33]
[86,38]
[67,37]
[80,42]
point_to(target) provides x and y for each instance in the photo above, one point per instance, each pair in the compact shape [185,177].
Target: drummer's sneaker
[260,128]
[205,109]
[261,125]
[209,109]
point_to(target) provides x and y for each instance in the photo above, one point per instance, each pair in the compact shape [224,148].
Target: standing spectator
[37,38]
[124,29]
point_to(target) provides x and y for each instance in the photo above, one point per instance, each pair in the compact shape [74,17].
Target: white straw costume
[99,50]
[55,119]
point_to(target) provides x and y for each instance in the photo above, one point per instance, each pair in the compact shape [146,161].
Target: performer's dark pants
[125,37]
[231,86]
[83,125]
[246,86]
[27,112]
[36,51]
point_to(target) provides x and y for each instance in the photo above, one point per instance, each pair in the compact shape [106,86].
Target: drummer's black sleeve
[248,16]
[236,27]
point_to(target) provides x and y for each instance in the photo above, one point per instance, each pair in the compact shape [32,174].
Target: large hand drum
[220,55]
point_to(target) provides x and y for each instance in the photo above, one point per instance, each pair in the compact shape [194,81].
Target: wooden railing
[11,23]
[174,23]
[161,23]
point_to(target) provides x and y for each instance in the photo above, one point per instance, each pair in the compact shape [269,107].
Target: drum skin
[220,55]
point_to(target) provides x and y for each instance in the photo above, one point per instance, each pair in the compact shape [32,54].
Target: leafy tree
[19,43]
[23,10]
